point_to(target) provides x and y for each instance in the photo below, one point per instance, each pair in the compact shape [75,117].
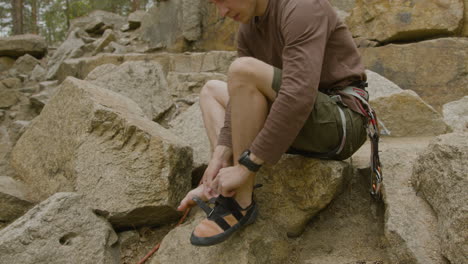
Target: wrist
[245,159]
[222,153]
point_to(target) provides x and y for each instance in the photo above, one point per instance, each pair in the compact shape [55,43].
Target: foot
[187,202]
[223,221]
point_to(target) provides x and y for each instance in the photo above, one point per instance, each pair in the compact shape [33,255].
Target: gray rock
[13,199]
[11,83]
[102,43]
[411,66]
[169,24]
[403,112]
[440,175]
[17,129]
[410,223]
[399,20]
[98,21]
[100,144]
[8,98]
[19,45]
[293,191]
[345,5]
[135,18]
[62,229]
[456,114]
[6,63]
[38,73]
[141,81]
[25,64]
[184,84]
[70,48]
[189,127]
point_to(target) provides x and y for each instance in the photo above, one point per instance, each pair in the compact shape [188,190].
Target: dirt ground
[348,231]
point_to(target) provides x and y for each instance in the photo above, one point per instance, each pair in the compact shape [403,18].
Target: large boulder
[411,66]
[456,114]
[410,223]
[170,24]
[99,143]
[440,175]
[293,191]
[13,199]
[141,81]
[401,20]
[189,127]
[135,18]
[182,25]
[217,33]
[62,229]
[403,112]
[17,46]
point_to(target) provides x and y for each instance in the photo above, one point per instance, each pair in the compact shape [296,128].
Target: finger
[184,204]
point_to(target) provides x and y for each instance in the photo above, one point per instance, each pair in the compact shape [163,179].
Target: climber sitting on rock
[284,94]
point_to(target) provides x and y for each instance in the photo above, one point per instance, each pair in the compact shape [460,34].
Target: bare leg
[213,102]
[249,84]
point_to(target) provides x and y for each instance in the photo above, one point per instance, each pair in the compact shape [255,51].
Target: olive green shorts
[323,131]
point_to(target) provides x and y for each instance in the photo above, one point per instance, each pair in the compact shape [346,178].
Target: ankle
[244,201]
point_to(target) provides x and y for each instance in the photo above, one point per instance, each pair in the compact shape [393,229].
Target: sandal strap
[230,205]
[208,210]
[220,222]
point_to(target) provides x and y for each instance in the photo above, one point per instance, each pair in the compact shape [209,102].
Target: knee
[241,75]
[208,90]
[242,67]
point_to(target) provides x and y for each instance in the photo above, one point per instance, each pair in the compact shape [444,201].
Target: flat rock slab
[293,191]
[410,223]
[440,175]
[62,229]
[411,66]
[213,61]
[99,143]
[142,81]
[17,46]
[401,20]
[13,199]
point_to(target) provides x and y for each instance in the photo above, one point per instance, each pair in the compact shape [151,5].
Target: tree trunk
[17,16]
[135,5]
[67,13]
[34,16]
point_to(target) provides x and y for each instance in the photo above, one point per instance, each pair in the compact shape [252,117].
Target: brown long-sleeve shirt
[314,49]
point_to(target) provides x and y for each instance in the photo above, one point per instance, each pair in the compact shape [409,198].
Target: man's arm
[305,29]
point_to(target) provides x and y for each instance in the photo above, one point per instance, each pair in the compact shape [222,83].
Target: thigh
[257,71]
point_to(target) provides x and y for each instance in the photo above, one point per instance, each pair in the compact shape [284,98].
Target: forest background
[51,18]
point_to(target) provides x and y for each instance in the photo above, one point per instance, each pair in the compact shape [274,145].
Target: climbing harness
[373,133]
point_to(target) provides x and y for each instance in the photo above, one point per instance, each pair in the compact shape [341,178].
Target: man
[293,54]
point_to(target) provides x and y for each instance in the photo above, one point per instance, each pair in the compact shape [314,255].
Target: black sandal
[224,206]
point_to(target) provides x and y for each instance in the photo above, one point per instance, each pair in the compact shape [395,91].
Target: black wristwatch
[247,162]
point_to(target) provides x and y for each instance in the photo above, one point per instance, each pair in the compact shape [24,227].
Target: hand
[230,179]
[222,158]
[187,202]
